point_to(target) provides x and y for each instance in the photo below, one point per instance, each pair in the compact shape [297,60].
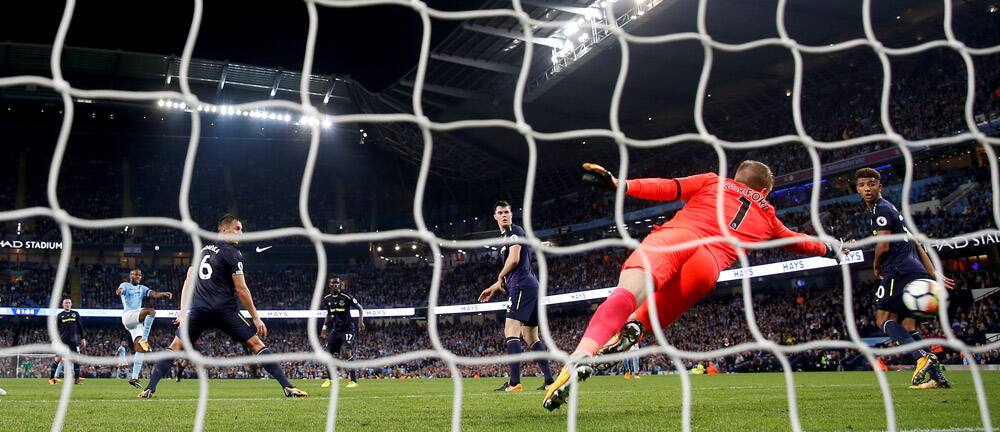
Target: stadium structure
[126,158]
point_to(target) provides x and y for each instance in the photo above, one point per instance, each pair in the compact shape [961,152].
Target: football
[924,296]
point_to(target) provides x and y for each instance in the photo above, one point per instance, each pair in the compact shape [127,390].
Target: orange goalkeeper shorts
[681,277]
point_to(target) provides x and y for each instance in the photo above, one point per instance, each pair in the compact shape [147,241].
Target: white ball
[924,297]
[3,392]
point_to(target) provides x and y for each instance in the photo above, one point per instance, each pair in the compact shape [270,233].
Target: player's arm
[361,314]
[655,189]
[327,319]
[120,289]
[675,189]
[184,288]
[881,251]
[160,294]
[243,295]
[79,328]
[488,293]
[929,266]
[813,247]
[513,259]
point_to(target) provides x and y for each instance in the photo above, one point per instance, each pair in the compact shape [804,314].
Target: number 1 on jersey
[742,213]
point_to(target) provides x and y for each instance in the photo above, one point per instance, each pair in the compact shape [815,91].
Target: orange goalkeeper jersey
[748,215]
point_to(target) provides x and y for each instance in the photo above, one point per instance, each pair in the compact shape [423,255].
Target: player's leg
[179,366]
[607,319]
[130,320]
[889,322]
[162,367]
[615,311]
[934,369]
[54,369]
[146,317]
[349,347]
[697,278]
[140,347]
[197,323]
[534,343]
[910,325]
[239,329]
[512,342]
[526,313]
[133,377]
[76,371]
[61,368]
[635,367]
[256,346]
[890,314]
[631,291]
[334,345]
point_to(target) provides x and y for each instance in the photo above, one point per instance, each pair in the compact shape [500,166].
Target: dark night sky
[375,45]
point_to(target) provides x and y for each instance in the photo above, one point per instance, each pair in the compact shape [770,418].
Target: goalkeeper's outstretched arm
[814,247]
[655,189]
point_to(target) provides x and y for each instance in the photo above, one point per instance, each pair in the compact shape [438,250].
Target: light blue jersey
[121,354]
[132,295]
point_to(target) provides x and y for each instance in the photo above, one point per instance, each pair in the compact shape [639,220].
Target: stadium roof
[472,73]
[474,67]
[212,80]
[222,82]
[481,59]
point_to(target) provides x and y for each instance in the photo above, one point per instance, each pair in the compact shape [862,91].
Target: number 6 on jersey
[205,269]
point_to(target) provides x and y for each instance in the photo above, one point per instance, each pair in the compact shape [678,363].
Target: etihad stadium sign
[964,242]
[18,244]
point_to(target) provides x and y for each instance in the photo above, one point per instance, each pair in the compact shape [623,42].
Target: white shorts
[130,319]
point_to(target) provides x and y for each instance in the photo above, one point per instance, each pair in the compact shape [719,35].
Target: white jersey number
[205,269]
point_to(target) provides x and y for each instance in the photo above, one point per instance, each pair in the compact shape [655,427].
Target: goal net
[25,365]
[606,21]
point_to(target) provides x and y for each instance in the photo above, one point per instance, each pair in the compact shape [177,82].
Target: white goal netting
[606,22]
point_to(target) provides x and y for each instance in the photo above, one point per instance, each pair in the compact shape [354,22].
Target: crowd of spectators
[927,101]
[400,284]
[784,316]
[928,92]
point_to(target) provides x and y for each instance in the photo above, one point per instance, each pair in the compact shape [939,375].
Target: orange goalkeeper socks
[607,320]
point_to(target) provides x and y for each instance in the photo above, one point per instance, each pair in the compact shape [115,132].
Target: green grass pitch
[746,402]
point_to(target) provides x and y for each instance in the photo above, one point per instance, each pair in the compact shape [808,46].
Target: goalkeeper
[680,277]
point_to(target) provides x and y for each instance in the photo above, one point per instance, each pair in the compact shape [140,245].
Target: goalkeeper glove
[831,252]
[600,177]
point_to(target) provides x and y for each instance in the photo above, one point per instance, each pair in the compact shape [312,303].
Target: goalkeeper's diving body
[680,277]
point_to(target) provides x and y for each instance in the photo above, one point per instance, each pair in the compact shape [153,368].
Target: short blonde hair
[755,174]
